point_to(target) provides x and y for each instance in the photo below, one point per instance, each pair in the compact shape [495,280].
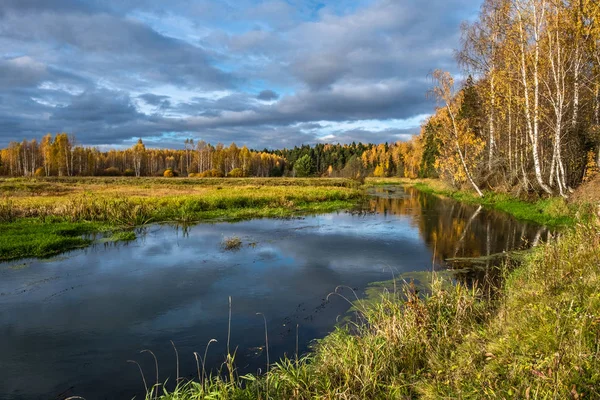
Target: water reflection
[68,325]
[456,229]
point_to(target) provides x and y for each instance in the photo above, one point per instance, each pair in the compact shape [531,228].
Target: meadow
[43,217]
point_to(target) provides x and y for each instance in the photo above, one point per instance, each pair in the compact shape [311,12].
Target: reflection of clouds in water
[267,253]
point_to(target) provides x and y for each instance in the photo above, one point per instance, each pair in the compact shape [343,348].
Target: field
[43,217]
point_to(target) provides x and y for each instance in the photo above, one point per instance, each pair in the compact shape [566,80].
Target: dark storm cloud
[114,45]
[114,108]
[98,117]
[112,71]
[267,95]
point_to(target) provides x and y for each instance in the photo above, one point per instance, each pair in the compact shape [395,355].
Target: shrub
[169,173]
[8,211]
[112,171]
[129,172]
[236,173]
[211,173]
[40,172]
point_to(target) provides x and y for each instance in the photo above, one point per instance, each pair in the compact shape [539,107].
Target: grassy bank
[42,217]
[553,212]
[538,340]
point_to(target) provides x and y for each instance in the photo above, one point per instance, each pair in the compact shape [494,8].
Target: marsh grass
[91,205]
[544,341]
[123,236]
[383,355]
[136,204]
[231,243]
[7,210]
[538,338]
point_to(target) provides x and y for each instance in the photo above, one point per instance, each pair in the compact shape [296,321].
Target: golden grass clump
[231,243]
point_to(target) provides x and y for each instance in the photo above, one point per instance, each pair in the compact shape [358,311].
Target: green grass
[34,211]
[29,238]
[122,236]
[537,339]
[552,212]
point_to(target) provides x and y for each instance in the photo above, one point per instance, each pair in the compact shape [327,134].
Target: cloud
[124,48]
[21,71]
[154,99]
[109,107]
[109,71]
[267,95]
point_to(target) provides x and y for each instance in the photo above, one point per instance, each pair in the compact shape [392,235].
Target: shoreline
[553,212]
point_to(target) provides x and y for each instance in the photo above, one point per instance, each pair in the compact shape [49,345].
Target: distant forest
[526,120]
[59,156]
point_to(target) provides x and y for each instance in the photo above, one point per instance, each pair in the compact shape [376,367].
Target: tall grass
[544,342]
[7,210]
[133,205]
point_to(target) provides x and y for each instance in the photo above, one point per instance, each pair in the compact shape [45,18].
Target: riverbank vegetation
[41,217]
[521,134]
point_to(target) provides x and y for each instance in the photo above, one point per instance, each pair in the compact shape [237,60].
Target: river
[69,324]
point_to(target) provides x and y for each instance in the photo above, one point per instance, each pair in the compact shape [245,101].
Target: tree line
[60,156]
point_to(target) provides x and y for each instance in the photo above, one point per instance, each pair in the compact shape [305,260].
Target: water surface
[69,324]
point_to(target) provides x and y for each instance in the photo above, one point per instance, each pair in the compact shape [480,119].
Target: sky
[266,74]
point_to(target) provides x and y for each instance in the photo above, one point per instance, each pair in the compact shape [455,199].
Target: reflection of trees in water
[456,229]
